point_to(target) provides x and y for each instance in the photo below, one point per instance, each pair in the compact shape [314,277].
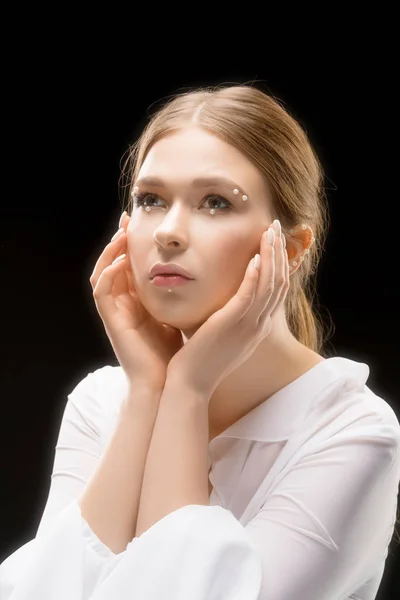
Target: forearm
[176,470]
[110,500]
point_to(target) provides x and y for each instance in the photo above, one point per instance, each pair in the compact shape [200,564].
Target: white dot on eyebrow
[235,191]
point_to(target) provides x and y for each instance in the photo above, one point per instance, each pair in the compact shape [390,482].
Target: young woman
[227,456]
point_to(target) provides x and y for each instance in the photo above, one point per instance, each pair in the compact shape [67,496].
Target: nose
[169,238]
[172,231]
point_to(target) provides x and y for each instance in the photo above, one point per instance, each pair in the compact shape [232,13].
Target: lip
[168,269]
[170,280]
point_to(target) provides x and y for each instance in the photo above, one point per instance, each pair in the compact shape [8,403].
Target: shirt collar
[282,413]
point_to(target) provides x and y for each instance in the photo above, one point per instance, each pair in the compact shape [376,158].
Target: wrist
[178,390]
[199,388]
[142,398]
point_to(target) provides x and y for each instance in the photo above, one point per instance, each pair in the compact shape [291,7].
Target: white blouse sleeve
[197,552]
[64,542]
[184,553]
[329,519]
[77,452]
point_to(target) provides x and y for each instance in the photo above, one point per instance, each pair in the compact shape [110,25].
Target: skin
[215,249]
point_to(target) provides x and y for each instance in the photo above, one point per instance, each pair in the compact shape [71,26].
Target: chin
[188,325]
[179,312]
[176,316]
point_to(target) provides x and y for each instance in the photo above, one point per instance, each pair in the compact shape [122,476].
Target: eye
[218,198]
[143,198]
[147,198]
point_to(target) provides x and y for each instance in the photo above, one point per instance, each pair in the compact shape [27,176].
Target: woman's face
[215,249]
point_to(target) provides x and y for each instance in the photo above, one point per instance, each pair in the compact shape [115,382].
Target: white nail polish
[271,236]
[277,227]
[114,237]
[121,218]
[118,259]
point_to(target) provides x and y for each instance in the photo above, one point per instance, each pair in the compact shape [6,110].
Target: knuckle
[281,280]
[270,288]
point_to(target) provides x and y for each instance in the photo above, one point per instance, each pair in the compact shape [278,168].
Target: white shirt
[303,505]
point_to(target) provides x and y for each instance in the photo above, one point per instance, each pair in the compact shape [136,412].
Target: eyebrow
[198,182]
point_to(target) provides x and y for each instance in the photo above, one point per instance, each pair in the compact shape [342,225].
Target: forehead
[183,155]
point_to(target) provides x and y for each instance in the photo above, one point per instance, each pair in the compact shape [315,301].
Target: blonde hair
[259,126]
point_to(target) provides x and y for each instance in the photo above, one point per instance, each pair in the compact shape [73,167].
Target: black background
[74,96]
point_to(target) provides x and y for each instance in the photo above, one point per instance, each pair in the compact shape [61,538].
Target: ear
[298,242]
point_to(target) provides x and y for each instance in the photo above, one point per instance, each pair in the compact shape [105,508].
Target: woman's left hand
[232,333]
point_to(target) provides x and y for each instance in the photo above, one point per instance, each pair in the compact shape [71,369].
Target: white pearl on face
[304,226]
[212,211]
[147,208]
[244,198]
[236,191]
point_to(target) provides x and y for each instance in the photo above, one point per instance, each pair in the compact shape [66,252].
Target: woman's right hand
[142,345]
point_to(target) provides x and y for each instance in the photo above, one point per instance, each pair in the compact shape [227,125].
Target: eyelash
[141,198]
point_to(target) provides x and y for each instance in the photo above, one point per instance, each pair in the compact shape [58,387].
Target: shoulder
[98,395]
[347,405]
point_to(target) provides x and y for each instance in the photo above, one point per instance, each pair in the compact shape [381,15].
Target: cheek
[232,254]
[230,257]
[138,251]
[236,248]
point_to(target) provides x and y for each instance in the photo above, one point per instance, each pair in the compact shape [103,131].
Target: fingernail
[122,218]
[118,259]
[114,237]
[257,262]
[271,236]
[277,227]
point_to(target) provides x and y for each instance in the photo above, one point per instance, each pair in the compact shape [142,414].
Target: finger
[102,292]
[266,284]
[286,285]
[131,280]
[241,302]
[110,252]
[280,281]
[122,219]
